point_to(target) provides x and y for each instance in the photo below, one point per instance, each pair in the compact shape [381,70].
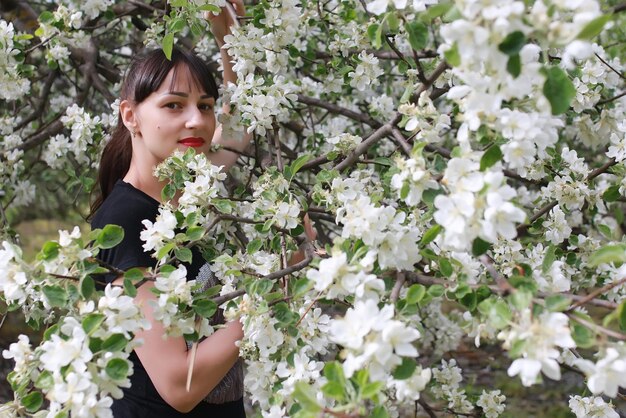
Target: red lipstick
[192,141]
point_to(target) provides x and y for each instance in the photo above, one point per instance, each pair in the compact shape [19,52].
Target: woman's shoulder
[125,205]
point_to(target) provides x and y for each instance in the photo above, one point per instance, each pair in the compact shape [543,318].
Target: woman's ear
[128,115]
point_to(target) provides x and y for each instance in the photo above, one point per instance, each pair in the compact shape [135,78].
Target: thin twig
[596,293]
[610,333]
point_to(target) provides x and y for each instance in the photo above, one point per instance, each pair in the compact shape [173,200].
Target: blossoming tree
[462,161]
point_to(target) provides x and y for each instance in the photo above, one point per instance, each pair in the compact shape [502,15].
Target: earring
[133,133]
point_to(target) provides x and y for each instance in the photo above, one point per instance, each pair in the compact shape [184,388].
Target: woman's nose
[194,117]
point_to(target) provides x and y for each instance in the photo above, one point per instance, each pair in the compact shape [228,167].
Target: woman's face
[177,116]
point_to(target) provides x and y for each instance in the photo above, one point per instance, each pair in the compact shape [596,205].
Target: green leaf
[514,65]
[195,233]
[513,43]
[301,286]
[176,25]
[582,336]
[405,370]
[135,274]
[436,290]
[306,396]
[445,267]
[46,17]
[49,251]
[168,45]
[334,372]
[183,254]
[92,321]
[33,401]
[129,287]
[548,259]
[452,56]
[223,205]
[611,194]
[490,157]
[334,390]
[117,368]
[621,315]
[369,390]
[165,250]
[56,295]
[262,286]
[470,301]
[210,8]
[434,11]
[480,247]
[430,235]
[298,164]
[110,236]
[418,34]
[615,253]
[521,299]
[44,381]
[594,28]
[557,303]
[178,3]
[558,89]
[415,293]
[379,412]
[605,230]
[254,246]
[375,35]
[205,308]
[87,287]
[115,342]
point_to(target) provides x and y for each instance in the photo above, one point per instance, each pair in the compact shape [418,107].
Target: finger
[239,7]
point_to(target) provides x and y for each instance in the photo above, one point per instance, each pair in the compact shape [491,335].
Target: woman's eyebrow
[182,94]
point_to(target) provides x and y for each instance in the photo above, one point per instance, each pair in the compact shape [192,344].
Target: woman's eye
[205,106]
[173,105]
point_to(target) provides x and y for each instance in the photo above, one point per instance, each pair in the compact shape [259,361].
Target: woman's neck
[142,179]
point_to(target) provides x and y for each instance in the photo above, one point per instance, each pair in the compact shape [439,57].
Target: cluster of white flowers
[591,407]
[425,120]
[75,379]
[337,278]
[85,130]
[91,8]
[258,102]
[372,338]
[12,85]
[479,205]
[540,338]
[343,144]
[173,291]
[391,235]
[491,403]
[13,279]
[380,6]
[366,72]
[608,374]
[442,333]
[448,379]
[557,229]
[569,187]
[556,278]
[70,251]
[157,233]
[412,179]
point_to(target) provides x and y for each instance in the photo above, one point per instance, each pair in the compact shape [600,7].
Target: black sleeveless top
[127,206]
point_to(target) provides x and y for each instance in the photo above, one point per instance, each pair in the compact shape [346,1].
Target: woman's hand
[220,24]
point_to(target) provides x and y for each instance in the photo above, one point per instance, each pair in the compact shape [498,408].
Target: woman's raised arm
[220,26]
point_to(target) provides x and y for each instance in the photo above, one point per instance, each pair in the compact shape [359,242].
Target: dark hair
[145,75]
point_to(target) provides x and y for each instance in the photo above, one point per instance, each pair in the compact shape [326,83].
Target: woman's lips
[192,142]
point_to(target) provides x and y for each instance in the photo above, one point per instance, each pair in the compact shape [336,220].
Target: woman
[167,105]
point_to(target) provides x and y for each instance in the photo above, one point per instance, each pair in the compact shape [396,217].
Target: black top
[127,206]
